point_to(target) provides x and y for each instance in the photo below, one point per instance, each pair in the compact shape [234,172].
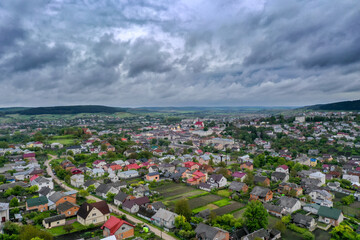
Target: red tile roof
[114,223]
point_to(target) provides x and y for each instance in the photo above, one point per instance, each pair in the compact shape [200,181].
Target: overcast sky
[179,53]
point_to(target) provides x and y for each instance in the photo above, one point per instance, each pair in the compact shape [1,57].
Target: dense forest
[338,106]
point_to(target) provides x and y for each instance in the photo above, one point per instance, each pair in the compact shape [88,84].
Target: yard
[65,139]
[228,208]
[321,234]
[56,231]
[203,200]
[239,213]
[224,193]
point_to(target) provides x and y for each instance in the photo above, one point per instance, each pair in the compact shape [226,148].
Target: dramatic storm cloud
[179,53]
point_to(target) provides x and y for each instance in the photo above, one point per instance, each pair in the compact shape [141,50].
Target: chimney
[87,207]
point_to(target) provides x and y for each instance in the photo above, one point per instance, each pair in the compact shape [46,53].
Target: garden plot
[228,208]
[203,200]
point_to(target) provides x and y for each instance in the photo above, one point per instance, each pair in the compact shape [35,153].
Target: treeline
[339,106]
[69,110]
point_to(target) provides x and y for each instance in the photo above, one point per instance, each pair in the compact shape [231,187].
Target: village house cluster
[305,168]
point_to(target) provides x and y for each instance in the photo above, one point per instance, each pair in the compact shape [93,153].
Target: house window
[94,220]
[58,223]
[69,212]
[65,198]
[94,214]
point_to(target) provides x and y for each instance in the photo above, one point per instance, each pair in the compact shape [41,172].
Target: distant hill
[338,106]
[68,110]
[12,109]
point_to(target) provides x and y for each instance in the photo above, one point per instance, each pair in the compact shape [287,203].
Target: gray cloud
[162,53]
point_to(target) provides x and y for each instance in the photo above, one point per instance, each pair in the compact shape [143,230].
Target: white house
[283,169]
[351,178]
[113,177]
[97,172]
[128,174]
[43,182]
[318,175]
[217,181]
[289,204]
[4,212]
[164,218]
[74,149]
[322,197]
[77,180]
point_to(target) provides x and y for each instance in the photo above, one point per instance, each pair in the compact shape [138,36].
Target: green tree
[182,208]
[14,202]
[83,193]
[68,228]
[196,220]
[91,189]
[249,178]
[286,219]
[11,228]
[32,189]
[343,231]
[181,223]
[91,201]
[110,197]
[37,238]
[348,200]
[29,232]
[279,225]
[308,236]
[256,216]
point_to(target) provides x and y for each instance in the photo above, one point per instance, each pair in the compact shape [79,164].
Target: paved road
[113,208]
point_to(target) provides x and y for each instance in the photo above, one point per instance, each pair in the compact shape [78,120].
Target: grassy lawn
[222,202]
[288,234]
[63,141]
[57,161]
[223,193]
[272,221]
[56,231]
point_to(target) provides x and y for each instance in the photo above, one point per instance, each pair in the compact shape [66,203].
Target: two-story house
[164,218]
[261,193]
[217,181]
[93,213]
[77,180]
